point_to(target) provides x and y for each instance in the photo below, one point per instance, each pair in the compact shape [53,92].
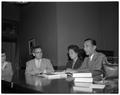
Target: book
[82,89]
[83,79]
[98,86]
[83,84]
[89,84]
[82,74]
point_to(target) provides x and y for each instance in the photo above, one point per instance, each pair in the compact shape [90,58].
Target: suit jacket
[77,64]
[7,72]
[95,66]
[45,65]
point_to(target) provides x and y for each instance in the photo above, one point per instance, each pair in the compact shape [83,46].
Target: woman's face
[72,54]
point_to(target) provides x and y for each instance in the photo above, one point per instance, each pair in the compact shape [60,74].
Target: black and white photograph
[60,47]
[31,44]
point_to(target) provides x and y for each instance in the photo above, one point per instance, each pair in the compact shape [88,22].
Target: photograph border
[31,44]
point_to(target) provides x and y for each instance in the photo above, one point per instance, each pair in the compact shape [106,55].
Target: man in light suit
[38,64]
[6,66]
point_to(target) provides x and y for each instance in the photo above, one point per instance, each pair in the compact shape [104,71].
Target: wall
[39,22]
[108,35]
[78,21]
[10,11]
[57,25]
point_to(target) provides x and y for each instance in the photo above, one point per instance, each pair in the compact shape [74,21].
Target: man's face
[89,48]
[3,57]
[38,53]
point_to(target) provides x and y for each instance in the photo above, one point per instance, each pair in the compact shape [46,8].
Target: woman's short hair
[74,47]
[80,52]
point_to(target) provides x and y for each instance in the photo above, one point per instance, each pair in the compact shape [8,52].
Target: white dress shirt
[91,57]
[4,64]
[38,63]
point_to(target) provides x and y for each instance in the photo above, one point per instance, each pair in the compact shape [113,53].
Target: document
[54,75]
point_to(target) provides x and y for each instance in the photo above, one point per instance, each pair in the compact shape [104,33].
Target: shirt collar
[4,64]
[91,57]
[36,60]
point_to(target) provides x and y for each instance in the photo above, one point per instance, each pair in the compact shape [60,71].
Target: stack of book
[82,82]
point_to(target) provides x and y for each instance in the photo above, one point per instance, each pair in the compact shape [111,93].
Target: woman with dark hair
[75,57]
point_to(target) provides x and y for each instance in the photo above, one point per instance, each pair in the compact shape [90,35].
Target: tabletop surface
[62,85]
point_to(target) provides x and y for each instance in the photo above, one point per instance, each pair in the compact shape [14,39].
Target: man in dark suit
[94,61]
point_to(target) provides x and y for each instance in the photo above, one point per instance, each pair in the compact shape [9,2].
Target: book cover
[83,84]
[82,74]
[82,89]
[83,79]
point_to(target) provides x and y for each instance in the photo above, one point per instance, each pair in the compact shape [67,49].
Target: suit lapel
[77,62]
[33,63]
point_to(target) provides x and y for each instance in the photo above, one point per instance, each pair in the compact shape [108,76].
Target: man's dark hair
[93,42]
[35,47]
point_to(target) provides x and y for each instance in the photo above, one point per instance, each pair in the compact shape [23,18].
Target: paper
[53,76]
[62,72]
